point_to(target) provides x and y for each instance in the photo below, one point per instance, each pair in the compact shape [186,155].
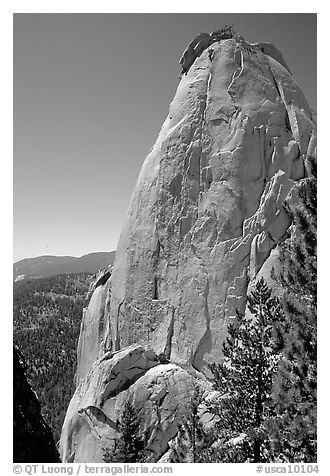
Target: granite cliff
[204,223]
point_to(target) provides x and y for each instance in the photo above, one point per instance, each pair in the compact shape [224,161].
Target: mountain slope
[43,266]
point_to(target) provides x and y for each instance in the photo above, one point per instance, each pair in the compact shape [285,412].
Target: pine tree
[129,447]
[295,387]
[245,379]
[192,441]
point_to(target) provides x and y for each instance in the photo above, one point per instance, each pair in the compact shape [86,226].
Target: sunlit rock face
[207,208]
[93,326]
[205,221]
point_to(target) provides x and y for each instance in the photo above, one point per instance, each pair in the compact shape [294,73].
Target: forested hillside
[47,316]
[47,266]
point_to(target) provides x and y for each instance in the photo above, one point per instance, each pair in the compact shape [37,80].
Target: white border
[6,188]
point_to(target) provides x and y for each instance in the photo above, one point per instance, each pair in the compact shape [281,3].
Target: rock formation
[204,221]
[158,392]
[200,43]
[33,439]
[92,329]
[207,208]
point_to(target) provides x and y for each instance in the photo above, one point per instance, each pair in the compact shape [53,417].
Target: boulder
[193,50]
[270,50]
[85,418]
[160,394]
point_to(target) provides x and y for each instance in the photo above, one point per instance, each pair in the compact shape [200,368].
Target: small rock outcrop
[93,323]
[33,439]
[200,43]
[205,221]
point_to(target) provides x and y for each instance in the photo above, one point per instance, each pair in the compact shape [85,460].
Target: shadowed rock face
[207,208]
[204,222]
[33,439]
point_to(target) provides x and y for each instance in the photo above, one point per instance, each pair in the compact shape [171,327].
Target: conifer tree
[294,426]
[245,379]
[192,441]
[129,447]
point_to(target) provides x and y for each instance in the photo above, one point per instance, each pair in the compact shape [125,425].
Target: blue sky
[91,92]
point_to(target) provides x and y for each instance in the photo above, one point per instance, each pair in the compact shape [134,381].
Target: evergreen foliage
[162,359]
[47,317]
[224,32]
[130,446]
[192,442]
[245,379]
[295,390]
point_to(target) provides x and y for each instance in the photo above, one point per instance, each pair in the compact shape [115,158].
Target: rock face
[159,392]
[93,325]
[33,439]
[208,206]
[204,221]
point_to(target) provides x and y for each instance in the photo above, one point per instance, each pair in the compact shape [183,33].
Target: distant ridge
[44,266]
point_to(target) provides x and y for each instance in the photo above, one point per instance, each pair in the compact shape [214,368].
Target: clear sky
[91,92]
